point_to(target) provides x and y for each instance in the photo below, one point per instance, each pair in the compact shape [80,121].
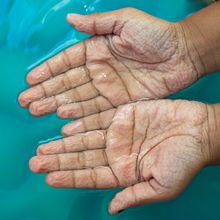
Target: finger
[78,94]
[68,161]
[138,194]
[80,142]
[67,59]
[99,177]
[101,23]
[81,109]
[93,122]
[70,79]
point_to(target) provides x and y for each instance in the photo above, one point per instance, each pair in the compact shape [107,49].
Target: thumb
[101,23]
[138,194]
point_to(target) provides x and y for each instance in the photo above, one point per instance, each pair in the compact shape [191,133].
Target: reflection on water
[31,31]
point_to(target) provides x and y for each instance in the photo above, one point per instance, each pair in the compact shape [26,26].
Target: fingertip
[22,99]
[30,79]
[39,151]
[34,165]
[59,179]
[61,113]
[112,209]
[50,180]
[54,147]
[73,128]
[68,111]
[33,109]
[72,18]
[43,107]
[38,75]
[66,131]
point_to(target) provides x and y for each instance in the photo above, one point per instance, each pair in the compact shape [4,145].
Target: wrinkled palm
[132,56]
[154,148]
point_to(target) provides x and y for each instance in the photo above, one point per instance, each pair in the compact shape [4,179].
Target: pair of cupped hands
[126,134]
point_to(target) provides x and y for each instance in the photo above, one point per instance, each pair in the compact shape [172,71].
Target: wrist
[198,49]
[202,34]
[214,133]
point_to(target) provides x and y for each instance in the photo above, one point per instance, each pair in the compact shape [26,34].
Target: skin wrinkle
[134,194]
[165,32]
[113,173]
[140,147]
[161,37]
[63,83]
[151,165]
[85,142]
[81,159]
[152,185]
[73,179]
[85,46]
[94,27]
[63,144]
[133,127]
[141,171]
[75,95]
[121,79]
[165,136]
[209,131]
[43,89]
[84,42]
[166,85]
[114,26]
[84,124]
[115,176]
[202,150]
[153,94]
[142,83]
[197,52]
[137,79]
[99,121]
[49,68]
[87,71]
[66,59]
[153,182]
[105,157]
[56,101]
[189,54]
[66,81]
[122,26]
[119,54]
[81,108]
[158,143]
[208,42]
[58,161]
[71,87]
[97,105]
[93,177]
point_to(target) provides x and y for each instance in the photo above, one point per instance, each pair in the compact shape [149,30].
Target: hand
[152,148]
[132,56]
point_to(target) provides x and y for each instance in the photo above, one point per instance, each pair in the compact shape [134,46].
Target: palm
[153,148]
[127,62]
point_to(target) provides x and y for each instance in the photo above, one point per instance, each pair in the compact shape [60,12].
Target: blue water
[31,31]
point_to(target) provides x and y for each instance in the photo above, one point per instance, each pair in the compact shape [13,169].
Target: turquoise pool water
[31,31]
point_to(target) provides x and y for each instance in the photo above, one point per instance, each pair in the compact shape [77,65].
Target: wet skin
[132,56]
[153,148]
